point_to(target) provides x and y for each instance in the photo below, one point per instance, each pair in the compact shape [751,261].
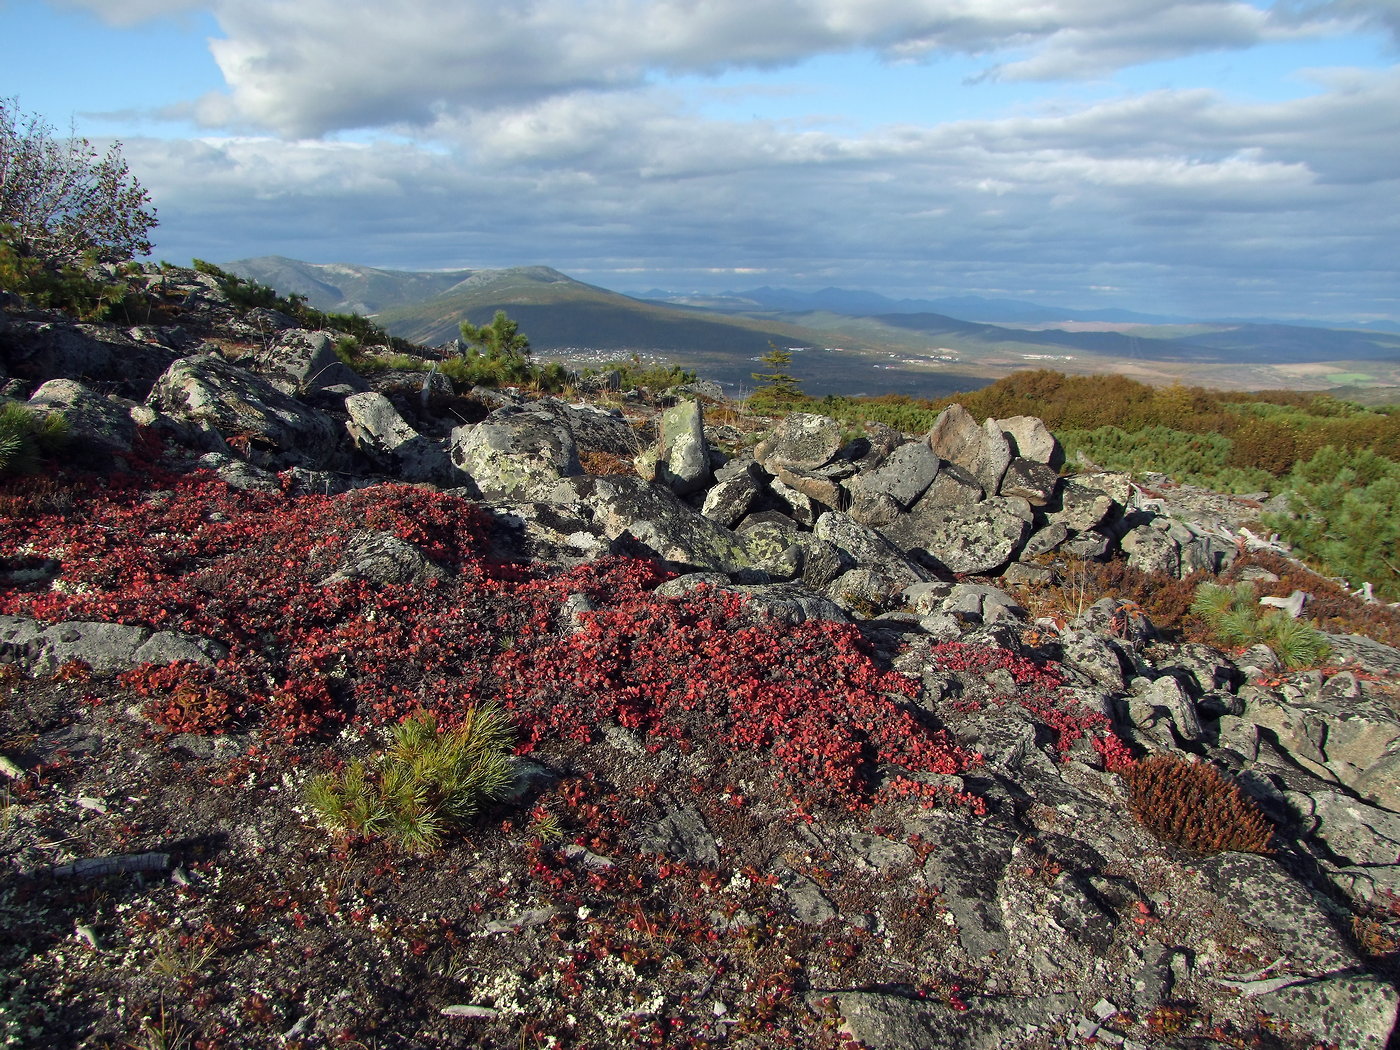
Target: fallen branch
[92,867]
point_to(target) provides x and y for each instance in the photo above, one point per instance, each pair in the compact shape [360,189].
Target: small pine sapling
[427,782]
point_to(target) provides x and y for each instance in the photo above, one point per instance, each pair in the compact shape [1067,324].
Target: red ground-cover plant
[807,698]
[1041,691]
[250,570]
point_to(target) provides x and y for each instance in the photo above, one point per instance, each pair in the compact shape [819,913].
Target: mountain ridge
[891,347]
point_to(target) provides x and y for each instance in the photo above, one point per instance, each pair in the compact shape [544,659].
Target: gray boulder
[980,538]
[382,558]
[1152,550]
[516,453]
[732,497]
[1080,507]
[803,440]
[267,426]
[1029,480]
[1321,986]
[1354,741]
[91,354]
[680,459]
[903,476]
[867,549]
[387,441]
[983,452]
[652,520]
[820,489]
[105,647]
[299,362]
[794,502]
[100,423]
[1031,439]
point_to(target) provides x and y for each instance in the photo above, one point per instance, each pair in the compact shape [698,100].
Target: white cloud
[317,66]
[1175,188]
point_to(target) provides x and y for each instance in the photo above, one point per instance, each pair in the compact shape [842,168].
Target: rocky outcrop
[1029,874]
[248,413]
[516,453]
[106,648]
[38,351]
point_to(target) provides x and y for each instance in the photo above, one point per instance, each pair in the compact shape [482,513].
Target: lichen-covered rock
[820,490]
[1079,507]
[867,549]
[734,495]
[387,441]
[1315,980]
[255,418]
[680,459]
[39,351]
[1031,481]
[1152,550]
[903,475]
[299,362]
[1352,740]
[516,454]
[1031,439]
[654,521]
[100,423]
[106,648]
[983,452]
[803,440]
[382,558]
[979,538]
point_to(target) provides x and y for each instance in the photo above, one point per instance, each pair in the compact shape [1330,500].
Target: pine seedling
[426,782]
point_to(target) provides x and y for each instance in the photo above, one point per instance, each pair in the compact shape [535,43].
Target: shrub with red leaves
[246,569]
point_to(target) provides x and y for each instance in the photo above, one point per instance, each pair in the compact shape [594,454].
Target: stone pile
[888,530]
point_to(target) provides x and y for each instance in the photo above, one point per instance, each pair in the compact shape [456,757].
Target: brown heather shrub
[1192,805]
[1164,599]
[603,464]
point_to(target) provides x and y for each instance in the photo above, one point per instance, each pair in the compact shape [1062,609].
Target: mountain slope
[888,346]
[346,288]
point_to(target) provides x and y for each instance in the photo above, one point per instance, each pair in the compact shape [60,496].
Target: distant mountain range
[963,307]
[851,341]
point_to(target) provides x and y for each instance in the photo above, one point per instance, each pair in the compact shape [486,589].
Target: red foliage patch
[1040,690]
[245,568]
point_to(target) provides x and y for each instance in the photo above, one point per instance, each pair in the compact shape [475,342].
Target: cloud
[1180,197]
[319,66]
[133,12]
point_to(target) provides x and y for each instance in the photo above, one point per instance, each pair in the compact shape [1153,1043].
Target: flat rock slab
[884,1021]
[105,647]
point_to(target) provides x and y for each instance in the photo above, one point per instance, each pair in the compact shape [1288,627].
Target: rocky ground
[822,738]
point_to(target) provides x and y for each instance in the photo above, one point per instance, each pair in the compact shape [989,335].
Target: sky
[1214,158]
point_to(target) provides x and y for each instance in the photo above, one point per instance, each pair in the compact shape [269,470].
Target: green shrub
[1234,616]
[634,374]
[73,288]
[1344,515]
[427,782]
[28,437]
